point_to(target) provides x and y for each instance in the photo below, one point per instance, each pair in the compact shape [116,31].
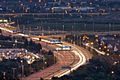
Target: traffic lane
[67,57]
[45,72]
[65,61]
[85,52]
[70,61]
[51,71]
[81,57]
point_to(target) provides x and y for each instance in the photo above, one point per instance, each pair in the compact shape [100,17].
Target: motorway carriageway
[73,59]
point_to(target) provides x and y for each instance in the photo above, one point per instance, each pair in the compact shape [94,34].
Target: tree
[41,79]
[0,31]
[55,78]
[50,52]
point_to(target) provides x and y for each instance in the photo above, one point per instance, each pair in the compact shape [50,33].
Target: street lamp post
[43,62]
[49,30]
[13,45]
[85,26]
[22,67]
[16,42]
[4,74]
[72,29]
[28,40]
[74,36]
[109,27]
[93,26]
[80,41]
[13,69]
[55,57]
[63,27]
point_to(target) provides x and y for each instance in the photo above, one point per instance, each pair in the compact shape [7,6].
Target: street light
[49,30]
[13,45]
[109,25]
[93,26]
[4,74]
[22,66]
[28,40]
[112,72]
[80,41]
[16,42]
[43,62]
[85,26]
[63,27]
[13,69]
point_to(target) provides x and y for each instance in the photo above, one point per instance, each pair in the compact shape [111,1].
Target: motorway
[67,61]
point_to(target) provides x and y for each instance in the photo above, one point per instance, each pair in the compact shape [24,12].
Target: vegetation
[11,69]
